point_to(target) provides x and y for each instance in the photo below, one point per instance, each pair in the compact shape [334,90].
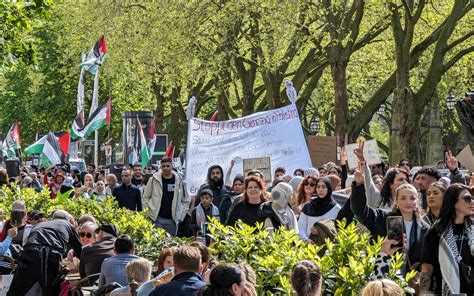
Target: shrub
[149,240]
[346,265]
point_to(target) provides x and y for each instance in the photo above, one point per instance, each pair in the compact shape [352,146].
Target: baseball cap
[109,228]
[35,215]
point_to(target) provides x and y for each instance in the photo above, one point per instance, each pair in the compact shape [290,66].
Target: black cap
[35,215]
[109,228]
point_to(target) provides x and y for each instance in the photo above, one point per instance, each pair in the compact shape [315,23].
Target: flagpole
[96,148]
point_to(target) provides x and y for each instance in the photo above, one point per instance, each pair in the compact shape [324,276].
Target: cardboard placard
[371,153]
[466,159]
[263,164]
[322,149]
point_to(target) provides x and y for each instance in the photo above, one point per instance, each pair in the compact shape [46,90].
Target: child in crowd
[200,214]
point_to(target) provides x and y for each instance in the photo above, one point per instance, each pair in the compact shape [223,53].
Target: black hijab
[320,206]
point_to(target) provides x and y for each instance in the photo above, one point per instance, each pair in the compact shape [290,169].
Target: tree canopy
[234,56]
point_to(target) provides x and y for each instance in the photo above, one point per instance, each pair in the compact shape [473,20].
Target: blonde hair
[397,192]
[383,287]
[139,270]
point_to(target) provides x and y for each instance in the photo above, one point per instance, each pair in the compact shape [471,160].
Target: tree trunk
[405,130]
[160,110]
[338,71]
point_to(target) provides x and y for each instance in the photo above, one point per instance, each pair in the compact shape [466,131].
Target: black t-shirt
[167,199]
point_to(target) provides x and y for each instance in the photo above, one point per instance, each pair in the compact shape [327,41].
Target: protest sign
[466,159]
[263,164]
[322,149]
[371,154]
[275,133]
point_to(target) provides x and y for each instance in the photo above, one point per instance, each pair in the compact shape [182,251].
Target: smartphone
[16,218]
[395,229]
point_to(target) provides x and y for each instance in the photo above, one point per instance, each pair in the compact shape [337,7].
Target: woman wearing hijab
[322,206]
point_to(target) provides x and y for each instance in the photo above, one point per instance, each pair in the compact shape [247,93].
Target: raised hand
[451,161]
[343,156]
[359,173]
[359,151]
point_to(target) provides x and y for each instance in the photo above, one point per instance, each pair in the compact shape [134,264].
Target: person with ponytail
[306,278]
[227,280]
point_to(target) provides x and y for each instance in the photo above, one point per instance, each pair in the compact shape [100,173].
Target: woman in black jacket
[405,204]
[247,209]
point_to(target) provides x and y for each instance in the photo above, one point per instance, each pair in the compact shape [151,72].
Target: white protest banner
[276,134]
[371,153]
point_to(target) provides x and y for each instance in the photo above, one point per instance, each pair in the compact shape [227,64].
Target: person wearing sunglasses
[305,191]
[322,206]
[87,233]
[94,254]
[448,253]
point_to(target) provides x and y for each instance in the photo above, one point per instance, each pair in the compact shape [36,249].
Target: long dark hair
[386,192]
[223,276]
[300,195]
[447,214]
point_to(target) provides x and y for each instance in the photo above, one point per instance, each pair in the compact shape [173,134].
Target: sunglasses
[311,184]
[86,234]
[468,198]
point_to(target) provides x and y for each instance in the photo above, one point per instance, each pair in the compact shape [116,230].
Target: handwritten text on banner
[276,134]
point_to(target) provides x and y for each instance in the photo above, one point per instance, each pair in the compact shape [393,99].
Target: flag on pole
[52,153]
[214,116]
[12,141]
[81,87]
[172,152]
[152,143]
[77,125]
[144,152]
[38,146]
[95,94]
[96,56]
[98,119]
[168,150]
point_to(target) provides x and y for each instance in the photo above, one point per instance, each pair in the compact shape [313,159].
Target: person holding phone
[448,257]
[375,219]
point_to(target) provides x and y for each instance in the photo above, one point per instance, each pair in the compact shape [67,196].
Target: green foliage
[346,265]
[149,240]
[17,21]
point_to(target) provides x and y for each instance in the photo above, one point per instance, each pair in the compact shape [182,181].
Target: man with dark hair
[128,195]
[137,175]
[113,268]
[186,281]
[422,179]
[42,254]
[94,254]
[166,198]
[215,182]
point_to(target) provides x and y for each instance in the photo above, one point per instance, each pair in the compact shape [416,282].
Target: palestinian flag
[152,143]
[96,56]
[38,146]
[144,152]
[52,153]
[98,119]
[77,125]
[12,141]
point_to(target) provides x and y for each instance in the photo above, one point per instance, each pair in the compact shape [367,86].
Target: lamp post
[314,124]
[450,102]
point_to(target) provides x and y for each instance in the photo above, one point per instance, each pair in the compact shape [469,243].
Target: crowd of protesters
[436,213]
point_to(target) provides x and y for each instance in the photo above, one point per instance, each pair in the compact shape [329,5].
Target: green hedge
[346,263]
[149,240]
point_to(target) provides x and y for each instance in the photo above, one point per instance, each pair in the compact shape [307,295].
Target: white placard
[371,154]
[276,134]
[176,162]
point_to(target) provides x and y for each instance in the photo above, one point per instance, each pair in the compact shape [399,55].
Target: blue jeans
[167,224]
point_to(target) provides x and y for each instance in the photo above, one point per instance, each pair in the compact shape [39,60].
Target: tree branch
[456,57]
[460,40]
